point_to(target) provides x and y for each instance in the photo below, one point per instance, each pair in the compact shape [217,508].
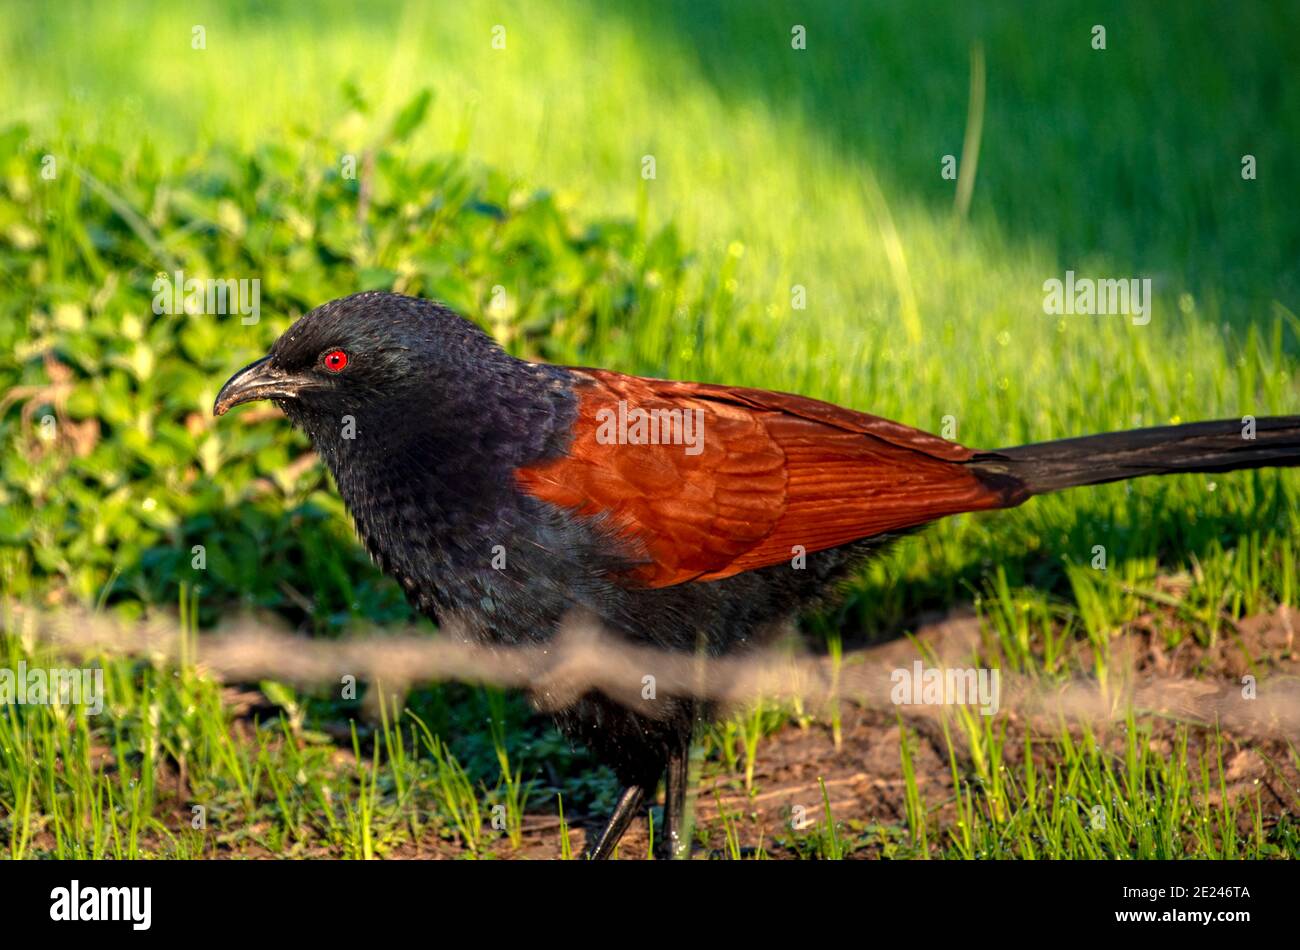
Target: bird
[503,494]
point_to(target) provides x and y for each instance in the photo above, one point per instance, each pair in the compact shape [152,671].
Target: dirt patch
[1181,690]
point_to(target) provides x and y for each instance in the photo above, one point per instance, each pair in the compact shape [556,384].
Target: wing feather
[773,472]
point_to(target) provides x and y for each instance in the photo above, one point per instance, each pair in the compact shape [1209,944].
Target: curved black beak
[258,380]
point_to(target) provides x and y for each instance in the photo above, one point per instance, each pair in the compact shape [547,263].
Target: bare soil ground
[1190,685]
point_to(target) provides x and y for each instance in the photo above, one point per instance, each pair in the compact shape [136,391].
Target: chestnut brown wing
[744,478]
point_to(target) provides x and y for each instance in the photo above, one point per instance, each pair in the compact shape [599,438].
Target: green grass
[775,168]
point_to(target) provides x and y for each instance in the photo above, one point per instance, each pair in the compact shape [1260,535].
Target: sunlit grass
[818,169]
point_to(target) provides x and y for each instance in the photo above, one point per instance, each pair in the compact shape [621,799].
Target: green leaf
[412,116]
[279,695]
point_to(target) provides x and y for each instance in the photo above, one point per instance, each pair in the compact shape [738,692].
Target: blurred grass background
[775,167]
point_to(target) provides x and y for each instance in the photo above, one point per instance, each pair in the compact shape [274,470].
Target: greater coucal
[504,493]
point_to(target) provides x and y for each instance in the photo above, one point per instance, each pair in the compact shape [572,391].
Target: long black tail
[1093,459]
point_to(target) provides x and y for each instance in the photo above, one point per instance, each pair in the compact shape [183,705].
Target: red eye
[335,360]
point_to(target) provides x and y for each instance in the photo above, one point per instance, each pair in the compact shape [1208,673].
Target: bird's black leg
[674,841]
[629,800]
